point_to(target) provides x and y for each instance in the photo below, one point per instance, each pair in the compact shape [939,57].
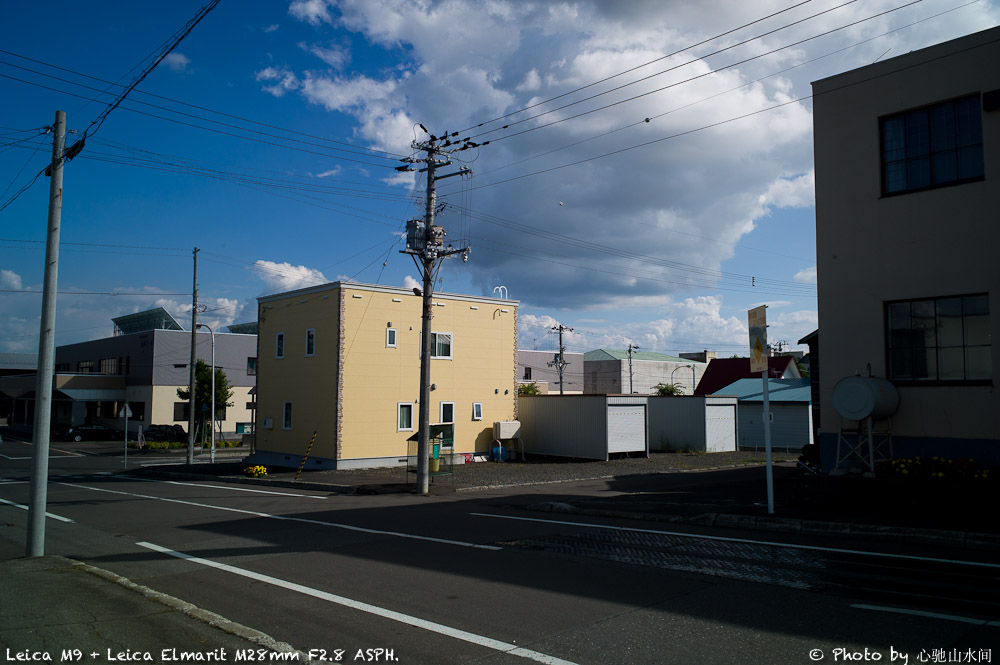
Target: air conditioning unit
[506,429]
[268,423]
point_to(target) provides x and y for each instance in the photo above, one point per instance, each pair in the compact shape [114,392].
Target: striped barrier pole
[304,458]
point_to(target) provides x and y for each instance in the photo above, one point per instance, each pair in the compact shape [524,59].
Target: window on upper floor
[85,367]
[279,345]
[440,345]
[933,146]
[390,338]
[447,412]
[940,340]
[311,342]
[251,367]
[527,374]
[477,410]
[286,420]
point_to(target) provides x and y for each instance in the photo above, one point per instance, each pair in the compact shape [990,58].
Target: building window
[180,412]
[251,406]
[279,345]
[931,147]
[390,338]
[311,342]
[440,345]
[85,367]
[447,412]
[404,417]
[109,366]
[477,410]
[940,339]
[251,367]
[286,421]
[527,374]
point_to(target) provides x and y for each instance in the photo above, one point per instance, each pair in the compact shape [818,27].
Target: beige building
[907,157]
[342,360]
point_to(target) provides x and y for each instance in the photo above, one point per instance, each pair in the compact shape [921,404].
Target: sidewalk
[58,610]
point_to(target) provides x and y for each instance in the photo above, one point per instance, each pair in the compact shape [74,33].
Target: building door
[626,429]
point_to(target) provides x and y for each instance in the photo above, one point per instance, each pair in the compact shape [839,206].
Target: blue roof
[778,390]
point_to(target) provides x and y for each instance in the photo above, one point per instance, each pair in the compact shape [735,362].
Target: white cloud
[284,80]
[177,62]
[532,82]
[797,192]
[410,283]
[806,276]
[271,28]
[335,171]
[334,55]
[280,277]
[314,12]
[10,280]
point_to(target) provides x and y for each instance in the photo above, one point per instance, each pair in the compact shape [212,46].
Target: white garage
[583,426]
[696,423]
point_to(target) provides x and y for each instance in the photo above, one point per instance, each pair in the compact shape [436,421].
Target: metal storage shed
[790,401]
[584,426]
[699,423]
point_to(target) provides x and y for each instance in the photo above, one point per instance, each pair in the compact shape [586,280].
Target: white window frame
[441,412]
[451,344]
[395,338]
[477,410]
[286,415]
[310,332]
[279,345]
[399,410]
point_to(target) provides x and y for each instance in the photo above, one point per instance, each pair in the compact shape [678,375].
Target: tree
[527,389]
[203,391]
[667,389]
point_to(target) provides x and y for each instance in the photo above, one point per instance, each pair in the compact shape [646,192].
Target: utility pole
[561,363]
[194,346]
[631,347]
[427,243]
[46,349]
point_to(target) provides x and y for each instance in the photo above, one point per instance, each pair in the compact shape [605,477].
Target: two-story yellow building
[343,360]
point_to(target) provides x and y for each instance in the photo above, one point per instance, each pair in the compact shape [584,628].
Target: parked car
[95,432]
[165,433]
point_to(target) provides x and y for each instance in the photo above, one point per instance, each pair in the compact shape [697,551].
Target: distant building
[723,371]
[342,361]
[789,403]
[12,364]
[606,372]
[907,154]
[537,367]
[700,356]
[143,365]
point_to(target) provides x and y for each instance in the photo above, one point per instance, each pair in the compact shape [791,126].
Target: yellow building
[343,360]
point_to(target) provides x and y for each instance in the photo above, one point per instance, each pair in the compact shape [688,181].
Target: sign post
[125,412]
[757,322]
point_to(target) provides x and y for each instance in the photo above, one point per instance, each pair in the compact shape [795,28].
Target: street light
[692,375]
[212,412]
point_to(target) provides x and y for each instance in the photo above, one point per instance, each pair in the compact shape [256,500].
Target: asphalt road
[464,578]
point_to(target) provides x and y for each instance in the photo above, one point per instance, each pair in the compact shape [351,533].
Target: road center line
[24,507]
[727,539]
[932,615]
[255,513]
[223,487]
[424,624]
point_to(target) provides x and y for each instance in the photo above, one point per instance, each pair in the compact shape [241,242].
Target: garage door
[720,428]
[626,429]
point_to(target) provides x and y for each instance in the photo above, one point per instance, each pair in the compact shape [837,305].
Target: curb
[964,539]
[212,619]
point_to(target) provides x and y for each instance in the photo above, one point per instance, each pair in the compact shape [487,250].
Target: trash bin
[435,459]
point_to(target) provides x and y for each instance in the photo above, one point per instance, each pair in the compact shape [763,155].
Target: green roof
[611,354]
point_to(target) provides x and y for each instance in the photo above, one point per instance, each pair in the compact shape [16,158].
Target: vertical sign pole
[757,322]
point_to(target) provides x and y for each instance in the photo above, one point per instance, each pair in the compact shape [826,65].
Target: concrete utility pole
[561,363]
[46,349]
[428,244]
[631,348]
[194,347]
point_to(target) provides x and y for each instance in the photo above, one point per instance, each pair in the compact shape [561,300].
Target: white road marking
[66,453]
[223,487]
[424,624]
[932,615]
[24,507]
[348,527]
[817,548]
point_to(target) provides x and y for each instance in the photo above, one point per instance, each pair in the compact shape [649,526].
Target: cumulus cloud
[313,12]
[410,283]
[334,55]
[280,277]
[177,62]
[10,280]
[806,276]
[797,192]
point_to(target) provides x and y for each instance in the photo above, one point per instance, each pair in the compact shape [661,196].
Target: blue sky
[268,139]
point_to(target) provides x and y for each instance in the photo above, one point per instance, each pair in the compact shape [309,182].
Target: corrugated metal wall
[564,425]
[790,428]
[697,423]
